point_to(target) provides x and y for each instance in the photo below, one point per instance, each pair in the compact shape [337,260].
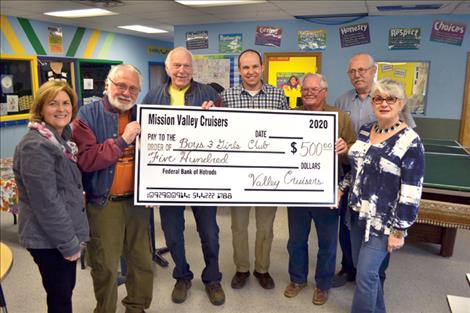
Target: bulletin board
[413,76]
[92,78]
[56,68]
[280,67]
[19,83]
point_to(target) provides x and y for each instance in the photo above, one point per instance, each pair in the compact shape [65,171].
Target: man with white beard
[105,131]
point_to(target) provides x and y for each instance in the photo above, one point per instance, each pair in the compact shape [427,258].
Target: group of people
[69,151]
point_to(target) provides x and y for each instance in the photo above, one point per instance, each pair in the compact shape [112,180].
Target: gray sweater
[52,213]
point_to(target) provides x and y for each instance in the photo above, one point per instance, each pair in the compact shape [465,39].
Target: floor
[418,278]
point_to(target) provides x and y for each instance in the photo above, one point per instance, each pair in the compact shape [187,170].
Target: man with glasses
[105,132]
[314,91]
[357,103]
[182,90]
[252,93]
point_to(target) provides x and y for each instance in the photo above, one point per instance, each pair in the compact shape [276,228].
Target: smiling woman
[53,225]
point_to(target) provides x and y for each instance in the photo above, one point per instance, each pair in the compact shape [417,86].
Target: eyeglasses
[123,87]
[360,71]
[311,90]
[377,100]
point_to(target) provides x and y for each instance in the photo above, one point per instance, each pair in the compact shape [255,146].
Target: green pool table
[445,204]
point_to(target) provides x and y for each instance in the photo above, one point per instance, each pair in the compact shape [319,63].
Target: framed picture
[284,70]
[92,78]
[19,83]
[414,77]
[56,68]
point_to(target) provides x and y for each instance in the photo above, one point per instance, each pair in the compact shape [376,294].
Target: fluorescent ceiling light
[81,13]
[216,3]
[144,29]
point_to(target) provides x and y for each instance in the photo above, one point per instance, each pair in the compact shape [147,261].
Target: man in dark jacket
[182,90]
[105,132]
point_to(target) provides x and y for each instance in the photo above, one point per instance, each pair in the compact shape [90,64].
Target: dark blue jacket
[194,96]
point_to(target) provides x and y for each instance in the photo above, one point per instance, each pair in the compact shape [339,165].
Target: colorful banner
[268,36]
[354,35]
[404,38]
[197,40]
[310,40]
[448,32]
[55,40]
[230,43]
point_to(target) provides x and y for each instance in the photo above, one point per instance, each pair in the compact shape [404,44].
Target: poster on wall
[268,36]
[354,35]
[230,43]
[197,40]
[448,32]
[289,82]
[310,40]
[55,40]
[400,38]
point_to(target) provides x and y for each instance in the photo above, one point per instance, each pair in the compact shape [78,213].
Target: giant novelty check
[235,157]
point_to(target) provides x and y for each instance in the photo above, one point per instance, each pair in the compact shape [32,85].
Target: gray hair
[368,56]
[116,68]
[396,89]
[170,54]
[390,87]
[323,82]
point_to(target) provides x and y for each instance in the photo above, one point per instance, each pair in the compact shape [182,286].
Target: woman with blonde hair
[385,181]
[53,225]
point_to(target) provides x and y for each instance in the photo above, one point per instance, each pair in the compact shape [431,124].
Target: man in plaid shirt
[253,94]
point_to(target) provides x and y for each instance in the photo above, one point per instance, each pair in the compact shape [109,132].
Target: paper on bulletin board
[12,103]
[7,83]
[88,83]
[3,108]
[216,68]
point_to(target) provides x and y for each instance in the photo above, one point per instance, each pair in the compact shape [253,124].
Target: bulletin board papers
[216,68]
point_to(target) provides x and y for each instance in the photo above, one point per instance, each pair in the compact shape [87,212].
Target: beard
[121,106]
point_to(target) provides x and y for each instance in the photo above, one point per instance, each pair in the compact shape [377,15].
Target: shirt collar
[263,88]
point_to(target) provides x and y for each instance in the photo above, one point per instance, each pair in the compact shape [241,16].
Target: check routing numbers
[235,157]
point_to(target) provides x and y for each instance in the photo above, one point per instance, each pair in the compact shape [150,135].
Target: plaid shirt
[269,97]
